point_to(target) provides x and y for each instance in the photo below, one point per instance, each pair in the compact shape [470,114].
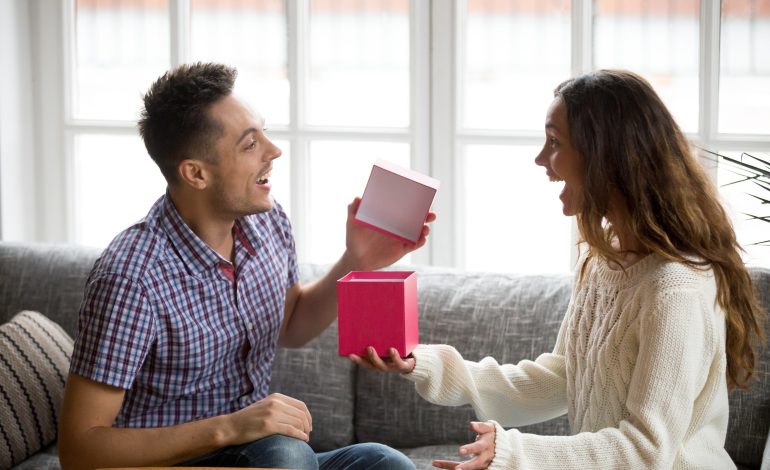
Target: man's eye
[251,145]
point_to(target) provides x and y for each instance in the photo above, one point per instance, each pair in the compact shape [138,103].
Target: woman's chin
[567,207]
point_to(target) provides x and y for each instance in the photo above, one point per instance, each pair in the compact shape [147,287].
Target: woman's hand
[482,451]
[393,363]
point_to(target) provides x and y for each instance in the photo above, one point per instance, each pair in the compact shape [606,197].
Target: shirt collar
[194,252]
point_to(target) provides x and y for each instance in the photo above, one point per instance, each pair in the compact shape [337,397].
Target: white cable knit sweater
[639,366]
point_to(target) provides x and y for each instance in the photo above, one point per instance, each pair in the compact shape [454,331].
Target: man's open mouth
[264,179]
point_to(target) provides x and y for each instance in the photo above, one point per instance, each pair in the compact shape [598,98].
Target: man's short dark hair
[175,123]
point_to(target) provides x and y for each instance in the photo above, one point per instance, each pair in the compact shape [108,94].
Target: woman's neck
[628,246]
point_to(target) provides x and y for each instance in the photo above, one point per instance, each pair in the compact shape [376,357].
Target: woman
[662,316]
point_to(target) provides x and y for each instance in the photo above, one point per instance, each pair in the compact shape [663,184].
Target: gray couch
[507,316]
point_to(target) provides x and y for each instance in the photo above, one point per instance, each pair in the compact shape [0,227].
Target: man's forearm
[315,307]
[135,447]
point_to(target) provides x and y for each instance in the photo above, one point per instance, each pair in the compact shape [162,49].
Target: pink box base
[377,309]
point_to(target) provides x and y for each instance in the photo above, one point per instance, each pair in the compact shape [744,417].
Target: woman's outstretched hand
[392,363]
[482,451]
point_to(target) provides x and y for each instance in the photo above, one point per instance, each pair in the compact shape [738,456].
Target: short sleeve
[115,332]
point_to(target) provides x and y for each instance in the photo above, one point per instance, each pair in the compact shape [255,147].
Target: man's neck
[215,231]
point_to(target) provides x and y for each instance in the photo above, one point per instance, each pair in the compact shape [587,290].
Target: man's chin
[266,206]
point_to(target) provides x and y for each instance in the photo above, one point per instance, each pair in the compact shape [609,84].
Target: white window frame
[435,134]
[56,191]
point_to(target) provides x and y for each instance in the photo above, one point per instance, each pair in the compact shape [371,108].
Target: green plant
[753,172]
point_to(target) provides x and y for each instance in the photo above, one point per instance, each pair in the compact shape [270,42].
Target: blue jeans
[278,451]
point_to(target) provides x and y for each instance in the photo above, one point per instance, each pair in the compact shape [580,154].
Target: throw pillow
[34,360]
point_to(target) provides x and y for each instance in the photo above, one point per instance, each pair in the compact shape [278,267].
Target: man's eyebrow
[246,132]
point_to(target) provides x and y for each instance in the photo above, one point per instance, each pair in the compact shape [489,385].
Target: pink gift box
[377,309]
[396,201]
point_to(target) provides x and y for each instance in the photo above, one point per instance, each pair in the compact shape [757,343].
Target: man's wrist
[348,263]
[223,431]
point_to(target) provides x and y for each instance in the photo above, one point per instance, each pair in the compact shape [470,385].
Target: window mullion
[419,97]
[297,55]
[582,37]
[179,29]
[52,188]
[445,48]
[710,32]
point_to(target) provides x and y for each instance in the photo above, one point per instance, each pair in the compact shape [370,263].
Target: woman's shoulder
[670,275]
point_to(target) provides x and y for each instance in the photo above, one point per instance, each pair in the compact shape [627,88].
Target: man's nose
[274,153]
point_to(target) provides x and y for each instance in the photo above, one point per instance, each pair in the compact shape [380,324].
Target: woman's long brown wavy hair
[632,147]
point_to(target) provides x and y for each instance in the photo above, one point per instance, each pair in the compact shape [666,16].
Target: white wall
[18,203]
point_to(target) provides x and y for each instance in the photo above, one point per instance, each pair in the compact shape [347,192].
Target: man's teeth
[264,179]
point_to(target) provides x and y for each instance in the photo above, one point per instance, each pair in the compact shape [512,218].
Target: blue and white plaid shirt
[186,333]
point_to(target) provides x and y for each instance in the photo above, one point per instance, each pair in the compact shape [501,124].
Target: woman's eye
[552,141]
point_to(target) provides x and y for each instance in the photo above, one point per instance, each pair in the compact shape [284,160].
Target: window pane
[744,80]
[359,63]
[659,40]
[516,52]
[743,206]
[249,35]
[513,215]
[105,204]
[115,184]
[122,46]
[339,172]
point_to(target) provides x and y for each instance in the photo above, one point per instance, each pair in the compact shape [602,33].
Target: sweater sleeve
[516,395]
[677,352]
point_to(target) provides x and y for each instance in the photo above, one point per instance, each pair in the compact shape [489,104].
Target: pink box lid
[396,200]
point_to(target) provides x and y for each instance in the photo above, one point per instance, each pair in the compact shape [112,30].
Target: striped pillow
[34,359]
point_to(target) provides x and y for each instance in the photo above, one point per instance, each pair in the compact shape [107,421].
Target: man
[183,311]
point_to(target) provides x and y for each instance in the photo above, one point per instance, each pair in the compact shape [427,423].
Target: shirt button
[250,325]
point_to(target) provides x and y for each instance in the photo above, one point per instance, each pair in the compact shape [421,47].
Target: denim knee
[381,457]
[278,451]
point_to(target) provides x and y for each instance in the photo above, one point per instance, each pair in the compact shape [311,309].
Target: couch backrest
[509,317]
[750,408]
[47,278]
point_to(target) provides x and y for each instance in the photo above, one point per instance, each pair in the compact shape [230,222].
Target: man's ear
[193,173]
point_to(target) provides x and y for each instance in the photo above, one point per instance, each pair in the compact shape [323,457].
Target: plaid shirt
[187,334]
